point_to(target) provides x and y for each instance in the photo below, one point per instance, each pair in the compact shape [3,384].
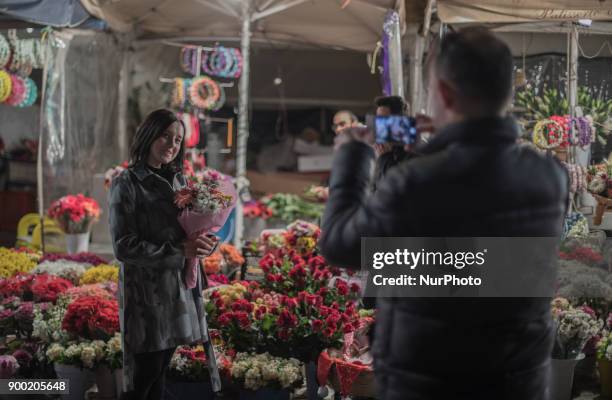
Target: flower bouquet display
[263,376]
[206,203]
[69,270]
[574,328]
[92,317]
[317,193]
[75,214]
[599,180]
[604,363]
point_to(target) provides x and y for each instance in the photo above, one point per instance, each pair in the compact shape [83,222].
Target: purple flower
[25,312]
[5,314]
[23,358]
[8,366]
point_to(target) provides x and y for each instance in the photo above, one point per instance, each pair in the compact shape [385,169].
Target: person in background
[157,311]
[471,179]
[388,154]
[344,119]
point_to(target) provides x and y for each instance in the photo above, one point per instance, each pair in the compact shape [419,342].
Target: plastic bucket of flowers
[75,214]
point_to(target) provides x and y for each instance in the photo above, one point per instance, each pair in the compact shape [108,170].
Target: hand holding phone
[398,129]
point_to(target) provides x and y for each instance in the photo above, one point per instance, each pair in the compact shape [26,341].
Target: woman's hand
[202,246]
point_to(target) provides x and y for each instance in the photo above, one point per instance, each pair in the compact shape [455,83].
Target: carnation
[48,287]
[92,317]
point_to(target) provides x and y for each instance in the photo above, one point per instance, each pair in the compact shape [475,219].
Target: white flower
[55,352]
[63,268]
[88,356]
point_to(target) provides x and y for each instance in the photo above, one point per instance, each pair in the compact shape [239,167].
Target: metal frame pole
[243,119]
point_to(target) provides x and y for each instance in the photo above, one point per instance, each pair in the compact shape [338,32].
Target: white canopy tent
[340,24]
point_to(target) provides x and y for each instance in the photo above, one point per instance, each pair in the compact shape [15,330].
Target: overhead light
[585,22]
[278,81]
[29,30]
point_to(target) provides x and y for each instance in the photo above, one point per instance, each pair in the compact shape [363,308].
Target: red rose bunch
[256,209]
[92,317]
[48,287]
[585,255]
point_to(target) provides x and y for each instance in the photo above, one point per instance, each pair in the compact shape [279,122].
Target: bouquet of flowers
[101,273]
[604,348]
[92,318]
[575,327]
[104,290]
[206,203]
[585,255]
[75,213]
[318,193]
[69,270]
[302,236]
[114,172]
[255,371]
[13,262]
[189,363]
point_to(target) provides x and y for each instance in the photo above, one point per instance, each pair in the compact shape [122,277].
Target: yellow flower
[101,273]
[12,262]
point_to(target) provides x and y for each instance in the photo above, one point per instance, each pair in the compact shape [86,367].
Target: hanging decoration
[204,93]
[6,85]
[5,51]
[31,93]
[18,91]
[192,129]
[221,62]
[551,133]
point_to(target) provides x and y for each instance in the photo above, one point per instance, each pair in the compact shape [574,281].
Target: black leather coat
[471,179]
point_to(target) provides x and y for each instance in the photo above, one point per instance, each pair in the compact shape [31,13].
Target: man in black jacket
[470,180]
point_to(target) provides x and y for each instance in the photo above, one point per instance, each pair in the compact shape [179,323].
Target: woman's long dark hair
[153,127]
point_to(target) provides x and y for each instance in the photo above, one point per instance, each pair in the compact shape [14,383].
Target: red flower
[48,287]
[317,325]
[348,328]
[323,291]
[243,319]
[92,316]
[328,332]
[224,319]
[286,319]
[242,305]
[297,272]
[289,302]
[316,262]
[342,287]
[355,288]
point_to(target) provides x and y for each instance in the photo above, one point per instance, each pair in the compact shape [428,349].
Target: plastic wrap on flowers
[206,203]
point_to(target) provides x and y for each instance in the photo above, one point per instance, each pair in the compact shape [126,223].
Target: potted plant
[75,214]
[574,328]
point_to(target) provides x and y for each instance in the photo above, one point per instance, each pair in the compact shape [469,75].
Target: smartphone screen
[393,129]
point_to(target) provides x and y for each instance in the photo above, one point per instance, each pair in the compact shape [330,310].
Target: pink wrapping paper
[195,224]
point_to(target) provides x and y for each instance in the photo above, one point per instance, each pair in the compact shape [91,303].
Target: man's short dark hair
[479,67]
[394,103]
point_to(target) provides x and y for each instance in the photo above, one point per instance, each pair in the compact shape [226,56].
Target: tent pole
[123,95]
[572,80]
[416,78]
[243,120]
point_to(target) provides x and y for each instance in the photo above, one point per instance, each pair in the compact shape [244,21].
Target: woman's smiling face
[166,147]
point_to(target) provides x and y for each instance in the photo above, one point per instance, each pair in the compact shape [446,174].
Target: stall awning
[355,24]
[509,11]
[57,13]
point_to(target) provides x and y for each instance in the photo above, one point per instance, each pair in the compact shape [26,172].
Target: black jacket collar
[142,172]
[486,131]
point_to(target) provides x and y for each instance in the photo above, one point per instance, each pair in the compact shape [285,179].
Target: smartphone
[393,128]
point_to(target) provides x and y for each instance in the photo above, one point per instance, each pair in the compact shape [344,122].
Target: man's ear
[447,94]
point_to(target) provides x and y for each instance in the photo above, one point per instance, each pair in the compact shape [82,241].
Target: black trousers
[149,375]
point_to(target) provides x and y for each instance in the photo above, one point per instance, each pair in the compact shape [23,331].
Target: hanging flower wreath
[204,93]
[18,91]
[6,85]
[551,133]
[31,93]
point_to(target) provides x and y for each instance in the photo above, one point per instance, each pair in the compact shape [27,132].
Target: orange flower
[183,198]
[212,263]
